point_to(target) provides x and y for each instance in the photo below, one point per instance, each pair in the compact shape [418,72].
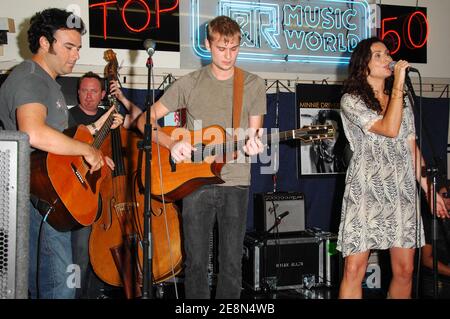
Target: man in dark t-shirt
[90,93]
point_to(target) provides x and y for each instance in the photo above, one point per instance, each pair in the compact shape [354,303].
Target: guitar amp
[269,207]
[14,214]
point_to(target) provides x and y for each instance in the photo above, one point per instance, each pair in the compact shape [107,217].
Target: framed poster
[320,105]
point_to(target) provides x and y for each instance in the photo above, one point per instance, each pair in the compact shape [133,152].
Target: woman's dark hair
[358,70]
[47,22]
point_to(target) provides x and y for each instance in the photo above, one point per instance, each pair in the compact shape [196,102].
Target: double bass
[115,248]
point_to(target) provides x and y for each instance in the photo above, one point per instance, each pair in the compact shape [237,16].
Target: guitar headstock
[312,133]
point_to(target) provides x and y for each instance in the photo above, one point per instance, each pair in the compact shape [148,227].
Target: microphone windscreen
[392,65]
[149,46]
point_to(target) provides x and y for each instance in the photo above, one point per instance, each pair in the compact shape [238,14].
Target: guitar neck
[104,131]
[306,134]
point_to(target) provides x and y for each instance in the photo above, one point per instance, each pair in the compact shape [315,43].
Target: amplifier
[294,260]
[14,214]
[287,262]
[332,258]
[268,206]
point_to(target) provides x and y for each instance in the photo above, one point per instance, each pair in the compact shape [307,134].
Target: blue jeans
[56,280]
[200,209]
[80,255]
[91,286]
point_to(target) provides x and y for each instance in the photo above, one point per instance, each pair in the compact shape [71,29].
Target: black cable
[38,257]
[419,218]
[277,245]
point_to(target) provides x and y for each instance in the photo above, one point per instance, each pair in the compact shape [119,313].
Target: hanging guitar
[181,179]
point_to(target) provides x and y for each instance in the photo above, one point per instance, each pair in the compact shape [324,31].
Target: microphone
[409,69]
[149,46]
[282,215]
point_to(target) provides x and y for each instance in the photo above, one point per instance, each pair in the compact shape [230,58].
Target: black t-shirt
[77,116]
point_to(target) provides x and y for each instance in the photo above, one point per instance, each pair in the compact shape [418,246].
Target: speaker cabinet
[287,262]
[14,214]
[269,206]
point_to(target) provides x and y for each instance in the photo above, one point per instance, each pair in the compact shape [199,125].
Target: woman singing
[379,209]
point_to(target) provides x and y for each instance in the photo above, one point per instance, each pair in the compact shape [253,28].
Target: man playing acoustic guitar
[32,102]
[207,95]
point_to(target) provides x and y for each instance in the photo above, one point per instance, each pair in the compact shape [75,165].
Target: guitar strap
[238,96]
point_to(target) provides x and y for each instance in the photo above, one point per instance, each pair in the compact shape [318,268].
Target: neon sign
[405,30]
[144,4]
[323,31]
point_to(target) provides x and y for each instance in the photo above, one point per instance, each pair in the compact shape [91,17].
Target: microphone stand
[432,171]
[146,146]
[275,224]
[275,148]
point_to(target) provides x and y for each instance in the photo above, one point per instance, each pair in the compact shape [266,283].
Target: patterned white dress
[379,208]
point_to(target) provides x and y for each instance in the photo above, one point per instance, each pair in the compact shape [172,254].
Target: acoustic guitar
[177,180]
[68,195]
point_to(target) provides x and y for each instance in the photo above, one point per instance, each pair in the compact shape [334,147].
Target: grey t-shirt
[211,101]
[29,83]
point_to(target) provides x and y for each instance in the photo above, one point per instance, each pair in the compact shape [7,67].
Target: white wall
[437,70]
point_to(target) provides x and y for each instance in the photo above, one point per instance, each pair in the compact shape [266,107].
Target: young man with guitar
[207,94]
[31,101]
